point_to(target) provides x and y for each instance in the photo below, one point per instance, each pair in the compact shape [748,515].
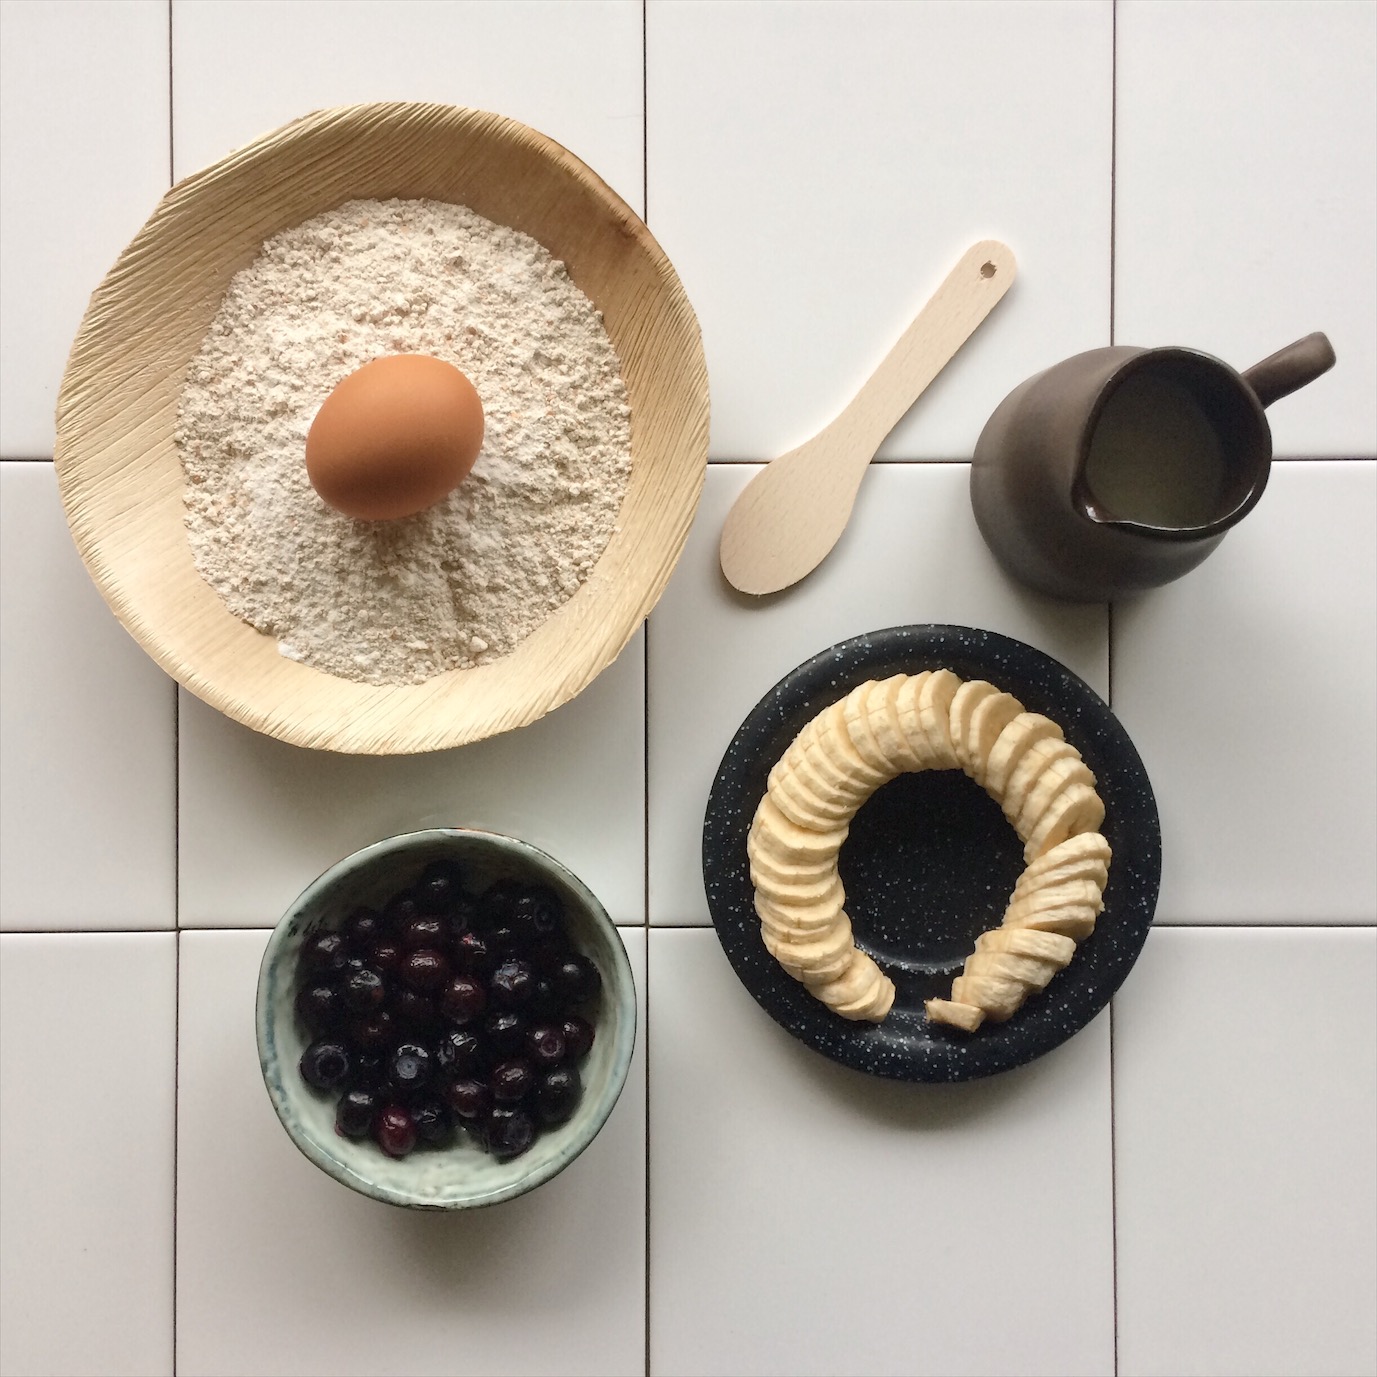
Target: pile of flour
[465,581]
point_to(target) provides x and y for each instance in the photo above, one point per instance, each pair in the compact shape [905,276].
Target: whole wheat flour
[465,581]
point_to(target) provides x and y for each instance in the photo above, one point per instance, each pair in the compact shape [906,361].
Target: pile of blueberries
[447,1010]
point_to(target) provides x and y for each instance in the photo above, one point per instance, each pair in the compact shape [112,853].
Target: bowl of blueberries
[445,1019]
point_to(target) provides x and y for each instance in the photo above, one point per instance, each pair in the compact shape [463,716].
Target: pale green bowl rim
[617,1020]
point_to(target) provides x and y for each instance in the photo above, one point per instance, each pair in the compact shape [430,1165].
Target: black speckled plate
[930,861]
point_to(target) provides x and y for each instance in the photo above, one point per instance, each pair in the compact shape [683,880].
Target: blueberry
[497,902]
[408,1068]
[424,931]
[320,1007]
[394,1130]
[577,978]
[323,953]
[459,1051]
[425,970]
[374,1032]
[414,1012]
[506,1032]
[508,1131]
[545,1044]
[434,1124]
[557,1094]
[511,1081]
[440,885]
[355,1113]
[363,991]
[463,918]
[578,1037]
[463,999]
[545,1000]
[401,908]
[385,955]
[325,1064]
[473,954]
[362,928]
[512,984]
[369,1073]
[468,1098]
[538,914]
[504,940]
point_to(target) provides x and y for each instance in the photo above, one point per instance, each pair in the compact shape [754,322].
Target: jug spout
[1289,369]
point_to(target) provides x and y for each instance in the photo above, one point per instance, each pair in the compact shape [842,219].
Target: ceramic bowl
[462,1176]
[121,477]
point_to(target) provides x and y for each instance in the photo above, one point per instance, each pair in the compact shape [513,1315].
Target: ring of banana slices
[928,721]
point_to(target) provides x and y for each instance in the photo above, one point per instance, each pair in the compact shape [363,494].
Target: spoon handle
[967,295]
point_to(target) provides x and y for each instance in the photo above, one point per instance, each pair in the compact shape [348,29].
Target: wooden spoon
[794,510]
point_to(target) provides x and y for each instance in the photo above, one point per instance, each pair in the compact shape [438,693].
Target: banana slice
[797,892]
[1085,856]
[788,920]
[967,1016]
[835,743]
[883,716]
[1076,921]
[998,997]
[873,1005]
[1078,808]
[1011,745]
[856,716]
[797,801]
[824,957]
[1029,971]
[909,706]
[934,715]
[1044,946]
[786,872]
[1063,772]
[1037,760]
[782,839]
[1045,897]
[856,987]
[990,715]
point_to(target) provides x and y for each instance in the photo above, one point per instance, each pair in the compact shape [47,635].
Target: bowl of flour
[261,282]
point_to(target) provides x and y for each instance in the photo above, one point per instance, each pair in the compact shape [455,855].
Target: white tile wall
[84,109]
[1250,688]
[813,169]
[282,1270]
[1245,1138]
[243,67]
[573,783]
[1246,195]
[806,1219]
[714,652]
[87,1076]
[87,787]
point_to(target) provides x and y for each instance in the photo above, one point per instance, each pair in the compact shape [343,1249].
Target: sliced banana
[1030,971]
[1045,946]
[1011,745]
[930,720]
[988,719]
[1078,808]
[934,715]
[967,1016]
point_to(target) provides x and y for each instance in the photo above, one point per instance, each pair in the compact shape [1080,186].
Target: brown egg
[394,437]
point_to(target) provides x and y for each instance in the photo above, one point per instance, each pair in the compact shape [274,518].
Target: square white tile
[1246,195]
[87,790]
[260,819]
[1246,1140]
[815,170]
[808,1219]
[912,553]
[84,135]
[244,67]
[88,1078]
[1250,689]
[553,1281]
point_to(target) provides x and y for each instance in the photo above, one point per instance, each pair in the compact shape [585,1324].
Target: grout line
[1113,153]
[1113,1195]
[645,120]
[171,147]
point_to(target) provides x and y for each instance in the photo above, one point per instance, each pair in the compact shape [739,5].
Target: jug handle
[1291,368]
